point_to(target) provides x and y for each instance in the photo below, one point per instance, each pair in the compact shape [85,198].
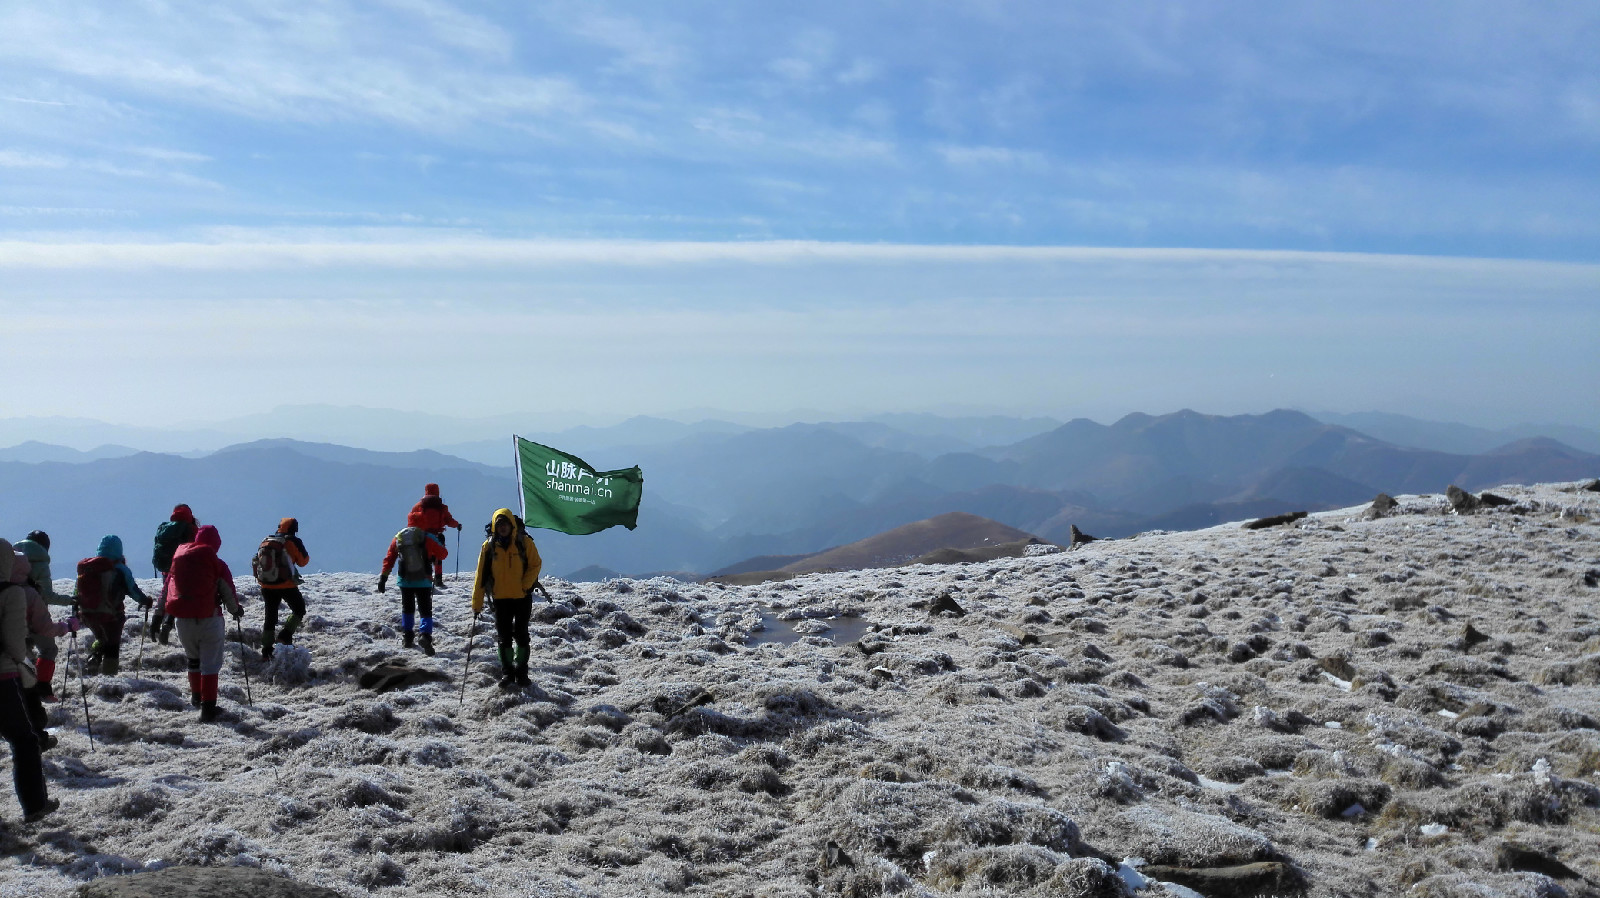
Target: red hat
[431,489]
[181,512]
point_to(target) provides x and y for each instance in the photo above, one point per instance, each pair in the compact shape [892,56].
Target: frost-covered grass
[1308,695]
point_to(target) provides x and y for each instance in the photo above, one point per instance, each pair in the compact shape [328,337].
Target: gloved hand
[542,591]
[146,603]
[72,624]
[383,584]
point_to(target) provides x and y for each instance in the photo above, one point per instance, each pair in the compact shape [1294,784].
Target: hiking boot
[43,811]
[91,665]
[407,639]
[165,636]
[507,681]
[427,644]
[522,678]
[111,665]
[286,637]
[194,699]
[208,712]
[266,651]
[438,582]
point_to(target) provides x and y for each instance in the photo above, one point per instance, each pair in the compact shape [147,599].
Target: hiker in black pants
[178,530]
[508,573]
[274,567]
[417,551]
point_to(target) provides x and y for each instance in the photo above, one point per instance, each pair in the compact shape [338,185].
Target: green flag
[562,492]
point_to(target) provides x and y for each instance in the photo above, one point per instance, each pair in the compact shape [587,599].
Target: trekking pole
[466,668]
[457,575]
[248,698]
[83,690]
[144,633]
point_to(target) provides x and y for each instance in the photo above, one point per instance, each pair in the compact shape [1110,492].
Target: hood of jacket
[208,536]
[8,556]
[35,551]
[289,526]
[494,522]
[20,568]
[430,489]
[181,512]
[110,547]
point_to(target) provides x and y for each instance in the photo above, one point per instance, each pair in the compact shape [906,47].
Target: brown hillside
[955,530]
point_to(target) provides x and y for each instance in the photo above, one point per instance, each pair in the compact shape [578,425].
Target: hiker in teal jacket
[103,582]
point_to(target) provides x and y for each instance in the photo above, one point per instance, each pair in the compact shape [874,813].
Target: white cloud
[985,157]
[245,249]
[19,159]
[430,68]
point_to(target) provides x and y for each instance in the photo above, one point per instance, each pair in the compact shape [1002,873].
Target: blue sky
[765,206]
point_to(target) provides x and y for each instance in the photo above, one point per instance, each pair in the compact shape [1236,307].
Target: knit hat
[40,537]
[289,526]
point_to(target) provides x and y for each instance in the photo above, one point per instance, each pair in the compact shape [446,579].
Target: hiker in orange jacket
[280,583]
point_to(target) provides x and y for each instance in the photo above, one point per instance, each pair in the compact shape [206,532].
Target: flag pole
[522,498]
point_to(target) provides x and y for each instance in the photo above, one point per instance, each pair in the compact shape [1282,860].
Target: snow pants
[438,563]
[272,598]
[27,762]
[107,630]
[511,617]
[415,600]
[203,639]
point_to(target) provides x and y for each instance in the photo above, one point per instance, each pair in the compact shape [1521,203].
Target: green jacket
[39,557]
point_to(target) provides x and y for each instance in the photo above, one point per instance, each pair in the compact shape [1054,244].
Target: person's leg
[48,652]
[438,564]
[189,638]
[425,624]
[408,615]
[38,720]
[297,613]
[111,656]
[159,621]
[213,636]
[523,615]
[270,600]
[99,626]
[504,627]
[27,765]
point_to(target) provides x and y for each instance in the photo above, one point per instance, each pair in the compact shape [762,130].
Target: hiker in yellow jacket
[508,573]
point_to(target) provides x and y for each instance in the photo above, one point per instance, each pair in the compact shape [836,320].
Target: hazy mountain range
[719,493]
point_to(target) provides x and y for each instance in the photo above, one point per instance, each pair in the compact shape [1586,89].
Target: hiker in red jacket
[199,587]
[435,517]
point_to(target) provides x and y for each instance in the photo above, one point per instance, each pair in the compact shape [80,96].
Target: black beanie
[40,537]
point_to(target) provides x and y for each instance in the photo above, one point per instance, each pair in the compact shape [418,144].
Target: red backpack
[95,592]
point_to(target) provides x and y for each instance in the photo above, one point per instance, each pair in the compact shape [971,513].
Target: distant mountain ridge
[718,494]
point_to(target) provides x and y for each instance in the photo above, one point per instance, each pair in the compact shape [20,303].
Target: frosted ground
[1366,706]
